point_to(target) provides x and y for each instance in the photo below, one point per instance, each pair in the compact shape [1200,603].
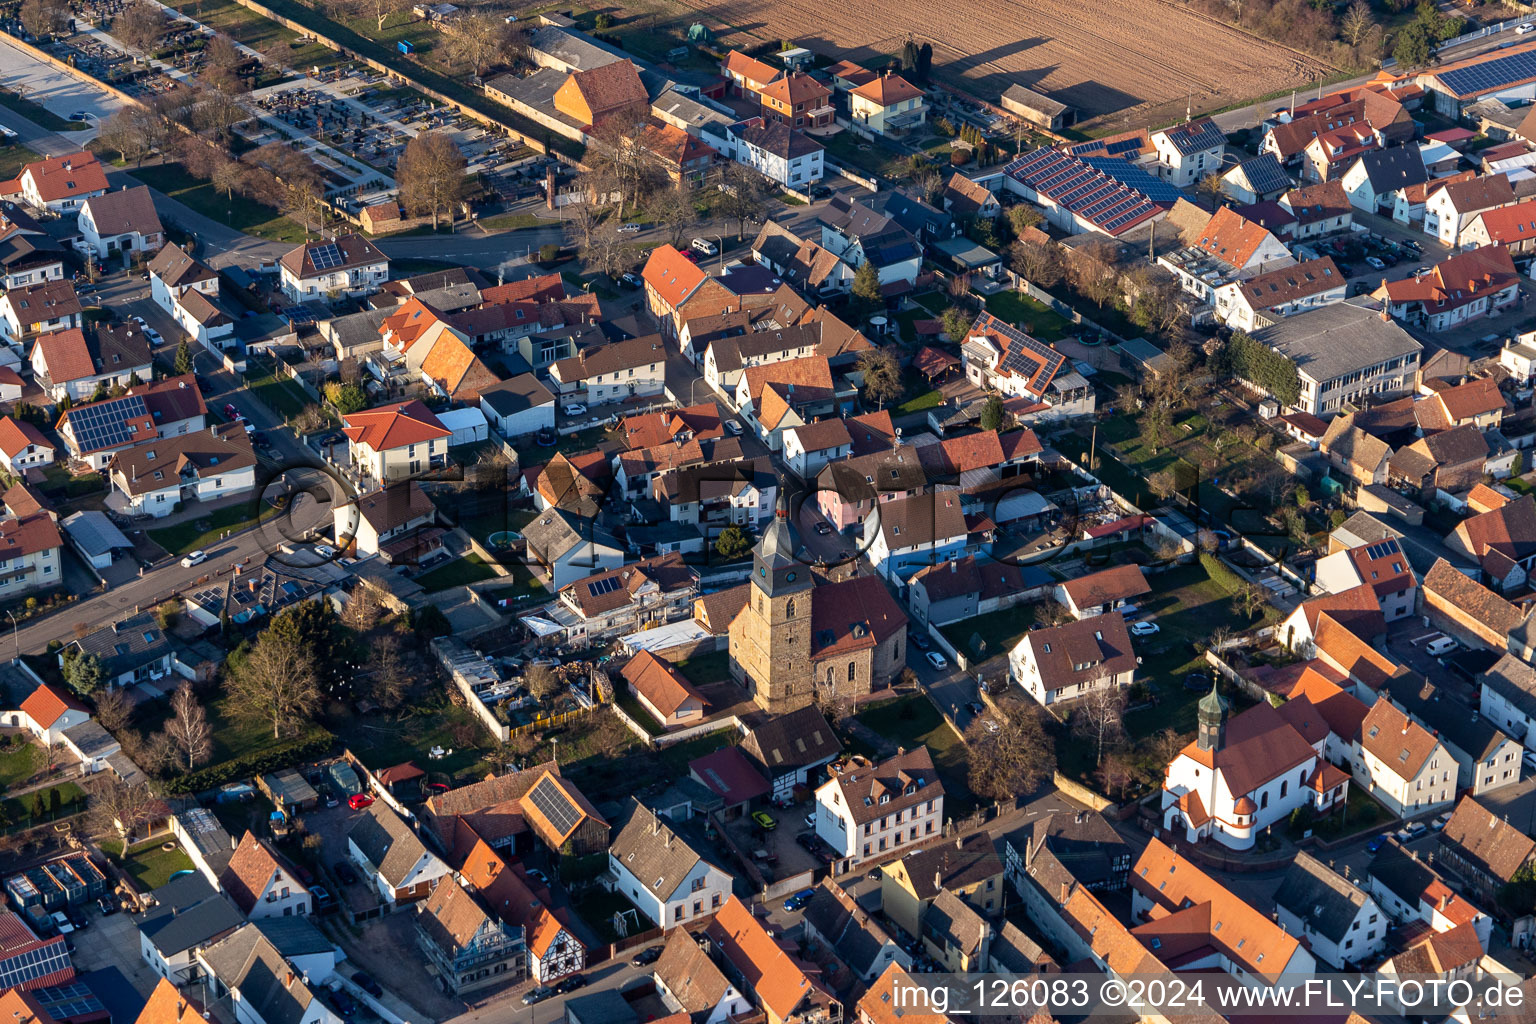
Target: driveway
[112,944]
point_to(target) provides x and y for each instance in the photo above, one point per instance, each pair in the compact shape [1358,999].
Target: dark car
[646,956]
[344,872]
[921,642]
[107,905]
[570,984]
[345,1004]
[325,903]
[799,899]
[819,191]
[1375,844]
[205,386]
[365,982]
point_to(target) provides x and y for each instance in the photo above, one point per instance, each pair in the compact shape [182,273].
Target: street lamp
[15,637]
[720,242]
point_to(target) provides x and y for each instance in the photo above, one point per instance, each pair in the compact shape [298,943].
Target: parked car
[232,413]
[921,642]
[1144,628]
[365,981]
[734,426]
[344,871]
[704,246]
[1376,844]
[1374,262]
[1444,645]
[325,551]
[937,660]
[358,801]
[764,821]
[810,820]
[571,984]
[197,557]
[1441,820]
[1411,831]
[345,1004]
[537,995]
[631,279]
[574,409]
[82,115]
[1521,30]
[325,903]
[799,899]
[629,229]
[106,905]
[822,529]
[646,957]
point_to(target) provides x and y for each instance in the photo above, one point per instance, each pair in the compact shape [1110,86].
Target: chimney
[181,1008]
[938,879]
[1445,901]
[1386,317]
[289,983]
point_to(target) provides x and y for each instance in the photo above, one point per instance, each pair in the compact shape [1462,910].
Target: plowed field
[1121,57]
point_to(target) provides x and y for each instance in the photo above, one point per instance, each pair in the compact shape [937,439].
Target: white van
[704,246]
[1444,645]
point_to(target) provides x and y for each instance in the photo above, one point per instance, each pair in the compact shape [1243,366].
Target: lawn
[380,740]
[1000,629]
[1037,318]
[706,668]
[17,763]
[918,395]
[867,157]
[16,811]
[912,721]
[248,27]
[39,114]
[197,533]
[149,865]
[238,212]
[512,222]
[279,394]
[14,157]
[469,569]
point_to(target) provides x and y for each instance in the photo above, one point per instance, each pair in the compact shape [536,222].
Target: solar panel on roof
[1490,74]
[296,315]
[552,802]
[607,585]
[1381,549]
[326,257]
[105,424]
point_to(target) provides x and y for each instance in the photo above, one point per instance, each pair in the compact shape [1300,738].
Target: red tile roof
[15,435]
[61,177]
[770,973]
[47,704]
[1231,237]
[888,90]
[670,276]
[1457,281]
[662,685]
[391,426]
[66,355]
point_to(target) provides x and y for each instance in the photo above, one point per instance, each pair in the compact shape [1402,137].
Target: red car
[357,801]
[232,412]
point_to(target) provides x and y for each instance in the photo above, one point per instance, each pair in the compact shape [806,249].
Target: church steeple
[1212,714]
[775,569]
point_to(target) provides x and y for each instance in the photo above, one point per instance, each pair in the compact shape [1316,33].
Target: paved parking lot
[112,944]
[60,93]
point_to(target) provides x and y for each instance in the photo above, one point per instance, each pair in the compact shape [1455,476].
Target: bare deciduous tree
[188,728]
[274,683]
[1100,718]
[541,682]
[481,41]
[431,175]
[118,808]
[1011,761]
[1037,262]
[1356,23]
[391,681]
[113,709]
[140,25]
[674,211]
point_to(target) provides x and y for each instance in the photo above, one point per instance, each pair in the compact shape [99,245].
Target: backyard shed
[467,425]
[288,790]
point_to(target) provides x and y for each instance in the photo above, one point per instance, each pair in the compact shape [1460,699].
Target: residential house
[774,150]
[1482,849]
[1081,842]
[1176,905]
[262,883]
[93,431]
[615,372]
[122,221]
[809,448]
[392,442]
[1477,403]
[593,95]
[551,947]
[970,868]
[661,874]
[856,233]
[887,105]
[969,200]
[1408,205]
[1070,661]
[906,534]
[23,446]
[1188,152]
[392,858]
[27,254]
[1330,153]
[1230,247]
[963,588]
[28,963]
[132,650]
[712,496]
[49,712]
[348,265]
[79,364]
[1239,777]
[1486,758]
[1467,610]
[775,397]
[1341,923]
[188,915]
[1401,763]
[832,918]
[663,691]
[265,969]
[1507,697]
[1381,566]
[393,522]
[801,262]
[685,159]
[758,965]
[1449,208]
[173,273]
[725,357]
[1513,227]
[796,100]
[1256,180]
[863,810]
[1446,463]
[1442,957]
[1374,179]
[878,1004]
[469,948]
[787,748]
[671,280]
[519,406]
[954,934]
[1343,352]
[627,599]
[1463,287]
[1250,303]
[569,547]
[156,478]
[58,184]
[1410,889]
[998,356]
[1317,210]
[1501,540]
[1099,593]
[30,550]
[38,309]
[688,982]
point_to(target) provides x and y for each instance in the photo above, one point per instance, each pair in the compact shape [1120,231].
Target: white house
[155,478]
[1188,152]
[1382,566]
[518,407]
[1282,293]
[30,549]
[660,873]
[384,516]
[60,184]
[887,105]
[688,981]
[1401,763]
[392,442]
[23,446]
[1230,247]
[614,372]
[774,150]
[348,265]
[1340,922]
[865,810]
[568,547]
[48,712]
[262,985]
[906,534]
[392,858]
[1451,207]
[810,447]
[1410,889]
[262,884]
[172,272]
[1070,661]
[188,916]
[38,309]
[1241,776]
[1373,180]
[1508,697]
[1099,593]
[121,221]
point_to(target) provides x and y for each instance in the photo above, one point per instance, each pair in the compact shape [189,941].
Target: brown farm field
[1117,60]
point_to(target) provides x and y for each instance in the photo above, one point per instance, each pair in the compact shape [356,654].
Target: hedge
[271,760]
[1220,574]
[361,45]
[1262,365]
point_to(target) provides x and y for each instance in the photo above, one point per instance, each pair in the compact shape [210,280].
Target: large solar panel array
[1110,194]
[1489,75]
[50,958]
[552,802]
[606,585]
[327,256]
[105,424]
[297,315]
[69,1001]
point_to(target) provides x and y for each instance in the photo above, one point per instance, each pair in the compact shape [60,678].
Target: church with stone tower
[798,635]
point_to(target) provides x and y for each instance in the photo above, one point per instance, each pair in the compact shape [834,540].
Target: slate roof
[1325,902]
[190,913]
[1514,681]
[1393,168]
[388,842]
[124,211]
[690,975]
[648,848]
[952,865]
